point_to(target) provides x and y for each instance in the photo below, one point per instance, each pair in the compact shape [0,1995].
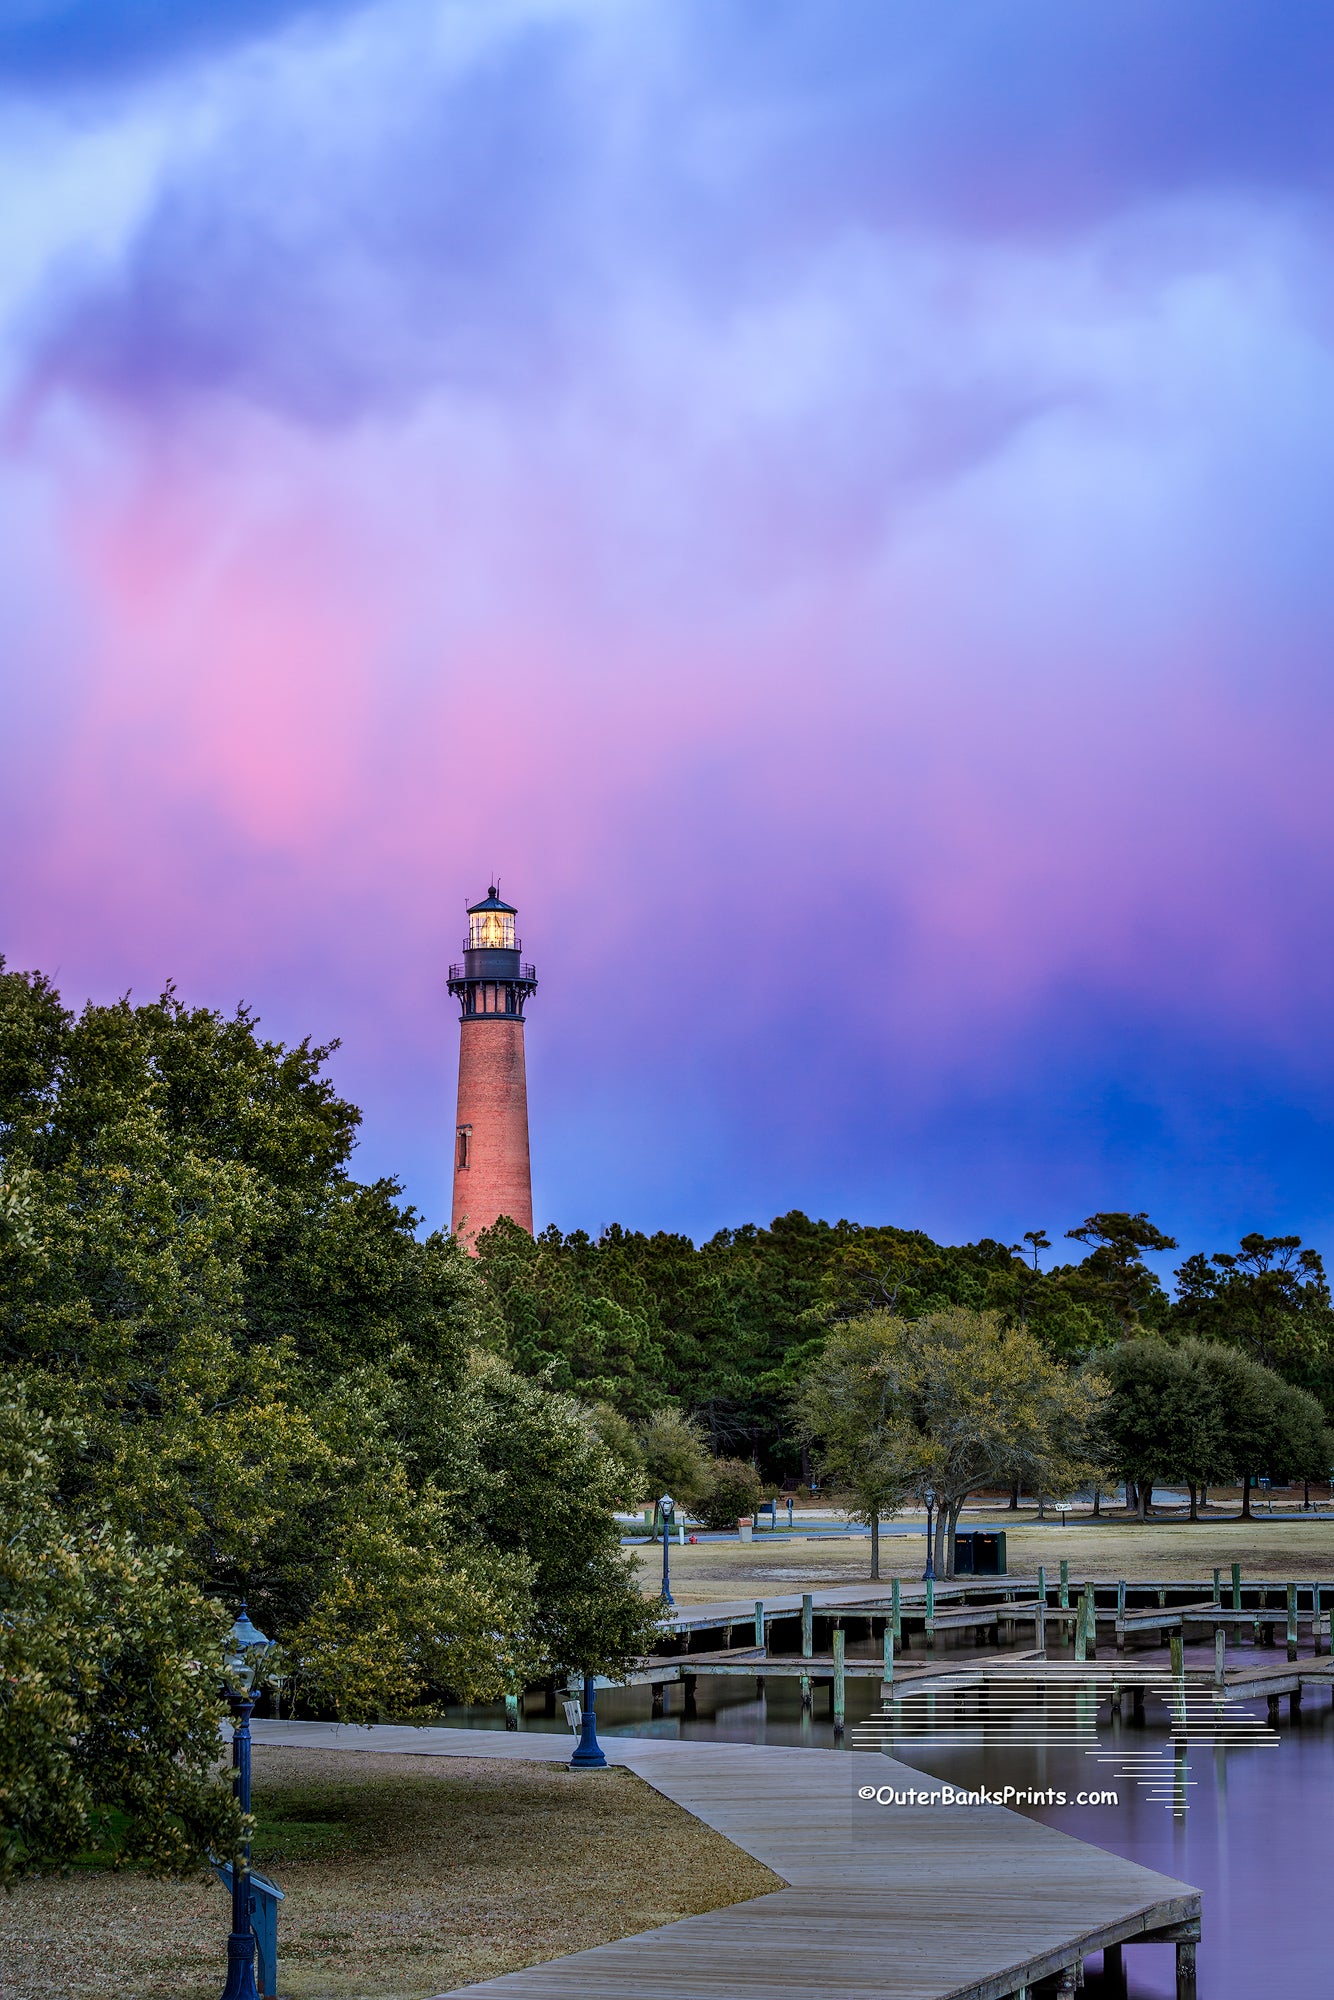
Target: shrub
[734,1489]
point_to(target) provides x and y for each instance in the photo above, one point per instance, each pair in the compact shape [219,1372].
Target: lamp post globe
[928,1574]
[246,1650]
[667,1508]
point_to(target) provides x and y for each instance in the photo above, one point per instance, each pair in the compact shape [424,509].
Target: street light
[246,1649]
[588,1754]
[666,1507]
[929,1573]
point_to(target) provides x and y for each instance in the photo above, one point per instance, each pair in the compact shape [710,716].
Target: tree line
[728,1330]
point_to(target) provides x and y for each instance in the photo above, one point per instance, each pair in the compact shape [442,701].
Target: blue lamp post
[588,1754]
[246,1648]
[929,1573]
[667,1507]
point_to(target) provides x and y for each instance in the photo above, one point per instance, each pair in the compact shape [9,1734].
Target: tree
[1201,1412]
[253,1359]
[675,1458]
[1163,1418]
[1115,1270]
[534,1480]
[852,1408]
[1270,1298]
[110,1666]
[734,1492]
[955,1401]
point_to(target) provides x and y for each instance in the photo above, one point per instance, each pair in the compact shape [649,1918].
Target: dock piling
[895,1611]
[1292,1621]
[1185,1970]
[1065,1585]
[839,1690]
[889,1653]
[807,1626]
[759,1623]
[1236,1586]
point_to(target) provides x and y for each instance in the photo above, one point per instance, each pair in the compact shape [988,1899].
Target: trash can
[980,1553]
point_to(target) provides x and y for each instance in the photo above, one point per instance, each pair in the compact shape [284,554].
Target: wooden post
[805,1691]
[1065,1585]
[1120,1614]
[1042,1584]
[1218,1585]
[1113,1967]
[1178,1678]
[895,1611]
[807,1626]
[1040,1626]
[1091,1626]
[1081,1625]
[889,1653]
[1185,1971]
[1292,1621]
[1220,1655]
[1236,1586]
[759,1623]
[690,1682]
[1271,1708]
[840,1679]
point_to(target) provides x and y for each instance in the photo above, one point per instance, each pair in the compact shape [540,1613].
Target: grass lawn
[405,1876]
[1112,1548]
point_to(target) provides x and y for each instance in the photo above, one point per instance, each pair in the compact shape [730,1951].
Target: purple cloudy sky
[833,501]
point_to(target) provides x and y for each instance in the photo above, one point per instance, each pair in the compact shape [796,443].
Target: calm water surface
[1256,1835]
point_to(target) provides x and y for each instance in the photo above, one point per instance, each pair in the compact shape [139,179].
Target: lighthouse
[492,1175]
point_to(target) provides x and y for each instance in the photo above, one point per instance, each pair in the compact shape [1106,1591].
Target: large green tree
[1203,1413]
[109,1668]
[954,1401]
[256,1359]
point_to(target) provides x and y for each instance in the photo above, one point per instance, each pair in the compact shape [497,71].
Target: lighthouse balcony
[482,965]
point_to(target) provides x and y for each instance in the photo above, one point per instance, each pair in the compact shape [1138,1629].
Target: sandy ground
[405,1876]
[771,1566]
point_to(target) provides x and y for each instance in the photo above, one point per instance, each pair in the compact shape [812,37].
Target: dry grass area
[714,1571]
[405,1877]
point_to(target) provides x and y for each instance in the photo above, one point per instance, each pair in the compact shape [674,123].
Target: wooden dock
[911,1901]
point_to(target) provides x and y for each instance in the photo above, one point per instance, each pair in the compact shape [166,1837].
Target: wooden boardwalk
[883,1902]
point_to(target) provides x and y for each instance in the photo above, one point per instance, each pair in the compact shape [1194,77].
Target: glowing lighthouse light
[492,1176]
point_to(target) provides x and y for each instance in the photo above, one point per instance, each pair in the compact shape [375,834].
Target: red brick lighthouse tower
[492,1176]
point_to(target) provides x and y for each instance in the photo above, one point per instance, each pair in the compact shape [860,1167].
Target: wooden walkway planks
[906,1902]
[913,1902]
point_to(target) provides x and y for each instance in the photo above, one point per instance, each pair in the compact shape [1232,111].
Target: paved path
[884,1902]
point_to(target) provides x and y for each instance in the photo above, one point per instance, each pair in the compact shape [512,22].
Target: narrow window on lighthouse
[464,1146]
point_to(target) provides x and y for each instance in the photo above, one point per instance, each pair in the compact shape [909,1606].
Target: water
[1256,1834]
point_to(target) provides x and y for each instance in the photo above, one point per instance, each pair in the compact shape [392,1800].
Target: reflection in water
[1258,1837]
